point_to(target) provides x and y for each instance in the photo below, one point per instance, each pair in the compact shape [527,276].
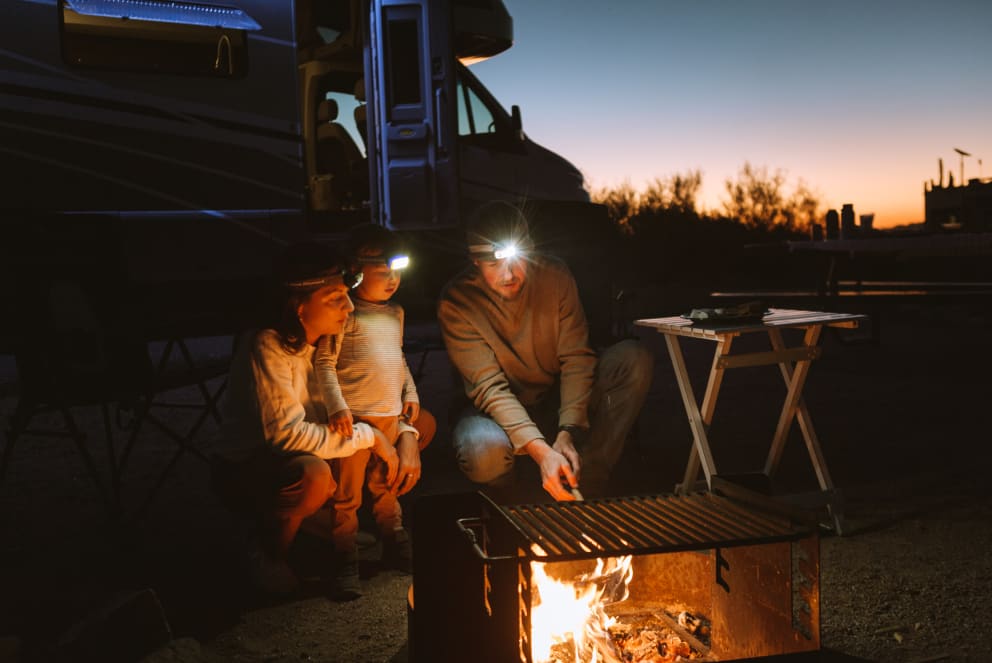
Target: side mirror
[516,123]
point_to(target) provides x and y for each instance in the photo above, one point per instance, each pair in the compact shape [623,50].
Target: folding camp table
[794,364]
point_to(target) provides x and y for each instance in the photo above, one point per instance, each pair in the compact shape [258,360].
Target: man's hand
[557,475]
[565,445]
[411,410]
[342,423]
[409,464]
[384,450]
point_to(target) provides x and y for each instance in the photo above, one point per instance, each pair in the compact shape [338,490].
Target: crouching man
[514,328]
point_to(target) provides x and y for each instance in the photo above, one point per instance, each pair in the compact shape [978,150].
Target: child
[367,379]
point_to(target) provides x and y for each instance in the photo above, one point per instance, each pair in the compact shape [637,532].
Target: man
[514,328]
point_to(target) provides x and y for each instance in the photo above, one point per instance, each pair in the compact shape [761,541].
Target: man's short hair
[493,223]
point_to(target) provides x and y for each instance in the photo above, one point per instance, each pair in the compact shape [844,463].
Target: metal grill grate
[650,524]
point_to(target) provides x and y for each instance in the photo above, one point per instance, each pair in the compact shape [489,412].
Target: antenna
[963,155]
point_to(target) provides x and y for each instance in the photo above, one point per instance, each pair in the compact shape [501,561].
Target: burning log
[644,637]
[657,637]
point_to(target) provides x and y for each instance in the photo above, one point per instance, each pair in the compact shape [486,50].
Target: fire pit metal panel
[650,524]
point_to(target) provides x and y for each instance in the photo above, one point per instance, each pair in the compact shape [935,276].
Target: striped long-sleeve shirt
[369,375]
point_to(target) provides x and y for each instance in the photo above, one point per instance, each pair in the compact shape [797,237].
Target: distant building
[967,208]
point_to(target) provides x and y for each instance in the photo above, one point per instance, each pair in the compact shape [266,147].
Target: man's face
[505,277]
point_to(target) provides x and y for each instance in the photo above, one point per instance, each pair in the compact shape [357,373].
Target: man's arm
[485,383]
[578,361]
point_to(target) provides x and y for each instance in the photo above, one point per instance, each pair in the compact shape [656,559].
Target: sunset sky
[858,98]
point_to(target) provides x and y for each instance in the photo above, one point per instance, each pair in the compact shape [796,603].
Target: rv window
[473,116]
[403,55]
[159,37]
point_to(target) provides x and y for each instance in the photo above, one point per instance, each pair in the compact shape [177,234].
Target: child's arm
[325,363]
[411,400]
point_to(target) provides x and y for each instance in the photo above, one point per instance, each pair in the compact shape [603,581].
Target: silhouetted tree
[676,193]
[621,204]
[756,199]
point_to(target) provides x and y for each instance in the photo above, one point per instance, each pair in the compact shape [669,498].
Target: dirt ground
[900,421]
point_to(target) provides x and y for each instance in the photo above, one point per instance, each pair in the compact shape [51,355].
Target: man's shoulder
[550,270]
[459,283]
[551,263]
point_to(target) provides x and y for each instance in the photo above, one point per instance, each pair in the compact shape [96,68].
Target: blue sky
[857,99]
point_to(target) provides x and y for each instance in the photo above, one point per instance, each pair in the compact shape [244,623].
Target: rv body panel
[199,168]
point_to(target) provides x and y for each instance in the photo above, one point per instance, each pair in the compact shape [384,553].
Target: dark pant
[623,376]
[277,490]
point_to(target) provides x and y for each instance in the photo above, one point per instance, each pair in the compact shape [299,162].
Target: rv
[180,145]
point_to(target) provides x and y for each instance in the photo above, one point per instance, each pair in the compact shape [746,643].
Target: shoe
[272,576]
[346,584]
[397,550]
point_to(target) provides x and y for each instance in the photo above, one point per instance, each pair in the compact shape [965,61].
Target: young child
[365,377]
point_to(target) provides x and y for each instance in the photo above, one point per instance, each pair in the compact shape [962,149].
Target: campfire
[640,579]
[586,620]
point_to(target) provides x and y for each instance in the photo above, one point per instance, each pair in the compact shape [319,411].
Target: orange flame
[573,612]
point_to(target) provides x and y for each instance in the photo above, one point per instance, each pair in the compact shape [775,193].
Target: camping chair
[168,377]
[65,362]
[70,355]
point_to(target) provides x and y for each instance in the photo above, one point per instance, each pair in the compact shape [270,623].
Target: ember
[647,637]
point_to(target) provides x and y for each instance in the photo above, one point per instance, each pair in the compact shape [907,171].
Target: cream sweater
[511,353]
[273,398]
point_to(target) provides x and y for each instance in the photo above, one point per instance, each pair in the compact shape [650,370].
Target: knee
[482,449]
[316,483]
[426,426]
[630,362]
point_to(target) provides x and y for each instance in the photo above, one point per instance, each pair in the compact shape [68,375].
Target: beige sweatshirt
[510,353]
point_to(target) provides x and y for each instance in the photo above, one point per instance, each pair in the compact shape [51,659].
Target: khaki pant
[364,468]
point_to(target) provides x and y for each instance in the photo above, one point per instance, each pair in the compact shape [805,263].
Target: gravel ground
[899,422]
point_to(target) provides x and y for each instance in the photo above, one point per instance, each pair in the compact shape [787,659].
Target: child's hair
[369,240]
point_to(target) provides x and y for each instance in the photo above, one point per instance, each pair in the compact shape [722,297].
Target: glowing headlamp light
[502,251]
[508,251]
[396,262]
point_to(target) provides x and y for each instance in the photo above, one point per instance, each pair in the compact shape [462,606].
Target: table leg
[701,446]
[795,406]
[713,384]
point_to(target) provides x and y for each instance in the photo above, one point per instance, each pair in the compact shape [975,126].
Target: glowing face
[379,283]
[325,311]
[505,277]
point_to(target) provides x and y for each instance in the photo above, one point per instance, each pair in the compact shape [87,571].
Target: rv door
[412,112]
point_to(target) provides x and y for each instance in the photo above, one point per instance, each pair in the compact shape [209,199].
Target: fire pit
[651,578]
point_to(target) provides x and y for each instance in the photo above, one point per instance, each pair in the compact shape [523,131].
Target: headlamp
[495,251]
[399,262]
[396,262]
[350,279]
